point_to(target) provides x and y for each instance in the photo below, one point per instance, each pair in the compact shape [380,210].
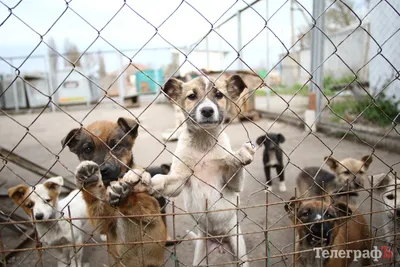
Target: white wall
[345,52]
[384,23]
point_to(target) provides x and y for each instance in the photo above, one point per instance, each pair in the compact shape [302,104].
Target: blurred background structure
[77,54]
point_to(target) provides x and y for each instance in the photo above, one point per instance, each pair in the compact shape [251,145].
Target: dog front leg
[281,173]
[238,246]
[169,185]
[267,170]
[200,252]
[62,256]
[76,257]
[233,171]
[88,179]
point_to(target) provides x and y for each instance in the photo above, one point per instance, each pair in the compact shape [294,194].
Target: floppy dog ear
[54,183]
[281,138]
[292,207]
[165,168]
[332,163]
[342,209]
[71,140]
[235,86]
[129,125]
[17,193]
[173,88]
[381,181]
[261,139]
[367,160]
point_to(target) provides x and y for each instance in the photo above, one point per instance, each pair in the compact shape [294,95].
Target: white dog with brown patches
[42,203]
[204,167]
[387,189]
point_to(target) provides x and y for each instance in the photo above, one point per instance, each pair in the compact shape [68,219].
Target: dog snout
[320,229]
[207,112]
[110,171]
[397,212]
[39,216]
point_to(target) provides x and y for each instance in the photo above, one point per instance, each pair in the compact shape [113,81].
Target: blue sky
[128,30]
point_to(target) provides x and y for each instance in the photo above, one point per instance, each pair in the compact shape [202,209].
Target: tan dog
[204,167]
[105,149]
[348,174]
[321,225]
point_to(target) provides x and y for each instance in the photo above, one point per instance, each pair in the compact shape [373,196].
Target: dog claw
[252,145]
[246,153]
[87,173]
[138,179]
[118,192]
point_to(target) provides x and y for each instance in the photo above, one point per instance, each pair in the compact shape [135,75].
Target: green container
[146,81]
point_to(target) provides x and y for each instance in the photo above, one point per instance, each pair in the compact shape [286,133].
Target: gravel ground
[38,139]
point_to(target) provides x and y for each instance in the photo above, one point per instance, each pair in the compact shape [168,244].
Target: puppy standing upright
[217,175]
[105,151]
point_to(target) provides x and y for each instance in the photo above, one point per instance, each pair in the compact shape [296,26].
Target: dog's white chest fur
[207,184]
[272,158]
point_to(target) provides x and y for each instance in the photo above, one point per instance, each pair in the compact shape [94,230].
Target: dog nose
[398,213]
[39,216]
[110,171]
[317,228]
[207,112]
[104,169]
[320,229]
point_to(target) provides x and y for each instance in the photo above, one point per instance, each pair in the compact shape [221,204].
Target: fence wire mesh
[156,127]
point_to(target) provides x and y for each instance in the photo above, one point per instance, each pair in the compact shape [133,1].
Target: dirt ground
[38,138]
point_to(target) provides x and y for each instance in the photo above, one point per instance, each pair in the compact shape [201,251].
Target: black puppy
[162,169]
[272,157]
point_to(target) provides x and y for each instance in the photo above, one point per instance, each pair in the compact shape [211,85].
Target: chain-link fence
[199,133]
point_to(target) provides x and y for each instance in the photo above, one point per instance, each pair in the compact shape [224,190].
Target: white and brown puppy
[42,203]
[349,175]
[387,188]
[204,167]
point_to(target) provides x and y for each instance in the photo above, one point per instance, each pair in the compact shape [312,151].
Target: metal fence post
[122,80]
[267,55]
[15,89]
[317,53]
[239,44]
[50,81]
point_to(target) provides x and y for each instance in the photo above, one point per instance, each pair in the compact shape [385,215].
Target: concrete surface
[38,139]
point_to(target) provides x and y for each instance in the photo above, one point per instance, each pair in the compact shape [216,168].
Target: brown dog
[105,151]
[321,226]
[349,174]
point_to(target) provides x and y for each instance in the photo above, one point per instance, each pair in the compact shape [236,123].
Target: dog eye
[29,205]
[219,95]
[390,196]
[347,172]
[329,216]
[47,200]
[117,147]
[87,150]
[305,213]
[192,96]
